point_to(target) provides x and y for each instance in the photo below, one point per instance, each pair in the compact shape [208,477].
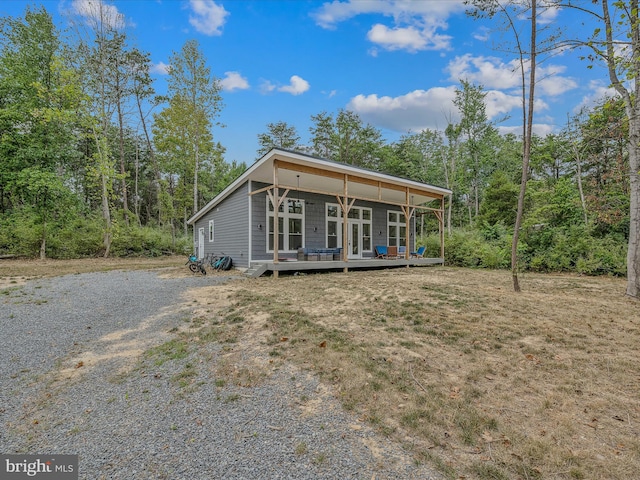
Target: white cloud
[415,24]
[413,111]
[208,17]
[234,81]
[433,108]
[160,68]
[297,86]
[338,11]
[266,87]
[597,93]
[97,11]
[490,72]
[493,73]
[409,38]
[540,129]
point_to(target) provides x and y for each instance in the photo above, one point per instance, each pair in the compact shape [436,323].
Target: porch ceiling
[303,173]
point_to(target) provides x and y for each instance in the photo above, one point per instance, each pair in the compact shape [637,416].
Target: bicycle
[216,262]
[196,265]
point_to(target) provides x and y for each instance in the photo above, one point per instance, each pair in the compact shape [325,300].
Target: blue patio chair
[402,250]
[419,253]
[381,251]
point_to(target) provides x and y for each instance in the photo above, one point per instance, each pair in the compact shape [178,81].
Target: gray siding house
[329,215]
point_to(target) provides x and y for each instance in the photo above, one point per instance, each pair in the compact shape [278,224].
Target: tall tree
[616,42]
[143,91]
[100,44]
[346,139]
[513,13]
[474,126]
[192,89]
[40,108]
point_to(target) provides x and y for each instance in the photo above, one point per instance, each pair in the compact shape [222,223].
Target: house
[329,215]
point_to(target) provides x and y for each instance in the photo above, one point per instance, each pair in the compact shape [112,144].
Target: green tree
[40,103]
[474,126]
[346,139]
[616,44]
[500,201]
[528,53]
[182,135]
[278,135]
[195,94]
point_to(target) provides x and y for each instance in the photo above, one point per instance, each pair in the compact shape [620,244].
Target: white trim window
[290,225]
[334,225]
[334,220]
[211,231]
[396,229]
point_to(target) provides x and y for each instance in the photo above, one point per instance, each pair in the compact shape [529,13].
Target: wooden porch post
[441,228]
[276,223]
[345,224]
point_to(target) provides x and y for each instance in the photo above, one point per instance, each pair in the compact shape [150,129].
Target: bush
[147,241]
[541,249]
[78,236]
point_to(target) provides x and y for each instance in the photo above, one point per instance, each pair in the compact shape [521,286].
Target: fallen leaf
[486,436]
[323,344]
[79,364]
[284,339]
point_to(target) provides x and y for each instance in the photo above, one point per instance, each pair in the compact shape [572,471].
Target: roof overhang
[301,172]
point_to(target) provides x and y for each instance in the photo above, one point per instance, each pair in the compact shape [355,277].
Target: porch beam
[306,169]
[334,194]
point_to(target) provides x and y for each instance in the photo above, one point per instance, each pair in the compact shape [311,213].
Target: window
[334,226]
[396,229]
[290,225]
[357,215]
[210,231]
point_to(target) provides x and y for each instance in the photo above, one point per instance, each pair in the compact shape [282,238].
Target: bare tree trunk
[526,151]
[632,108]
[43,240]
[123,171]
[154,161]
[583,203]
[106,215]
[136,199]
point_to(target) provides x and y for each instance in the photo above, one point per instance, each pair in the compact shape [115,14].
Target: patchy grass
[473,378]
[16,272]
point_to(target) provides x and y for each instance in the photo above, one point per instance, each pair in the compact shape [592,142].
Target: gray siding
[314,222]
[231,224]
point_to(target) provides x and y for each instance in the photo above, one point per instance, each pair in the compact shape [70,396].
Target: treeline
[577,205]
[86,165]
[94,162]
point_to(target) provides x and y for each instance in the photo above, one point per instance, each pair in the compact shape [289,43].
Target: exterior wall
[231,220]
[315,235]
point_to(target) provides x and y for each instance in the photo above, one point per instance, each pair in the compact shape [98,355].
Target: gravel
[74,380]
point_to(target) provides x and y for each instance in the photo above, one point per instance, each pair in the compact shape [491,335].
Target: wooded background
[94,162]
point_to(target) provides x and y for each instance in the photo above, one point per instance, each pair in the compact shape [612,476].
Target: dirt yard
[468,376]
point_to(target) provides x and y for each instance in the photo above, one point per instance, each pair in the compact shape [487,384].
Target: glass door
[355,240]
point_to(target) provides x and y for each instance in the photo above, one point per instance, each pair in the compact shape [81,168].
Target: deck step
[256,270]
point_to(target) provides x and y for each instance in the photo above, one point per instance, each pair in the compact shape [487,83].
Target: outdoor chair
[402,251]
[419,253]
[381,251]
[392,251]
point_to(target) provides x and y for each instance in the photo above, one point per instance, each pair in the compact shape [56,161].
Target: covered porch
[288,174]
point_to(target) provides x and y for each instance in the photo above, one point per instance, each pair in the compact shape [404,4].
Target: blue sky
[395,63]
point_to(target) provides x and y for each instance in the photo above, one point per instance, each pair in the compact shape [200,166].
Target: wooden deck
[367,263]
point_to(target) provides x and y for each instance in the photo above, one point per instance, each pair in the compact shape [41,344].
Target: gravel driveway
[74,380]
